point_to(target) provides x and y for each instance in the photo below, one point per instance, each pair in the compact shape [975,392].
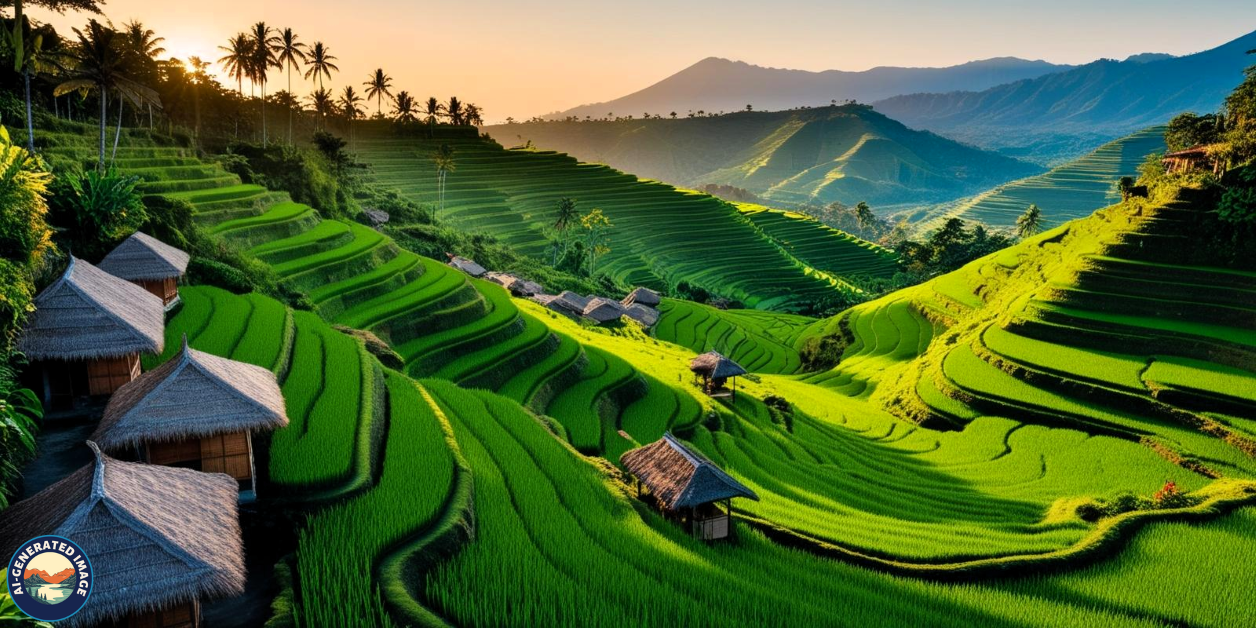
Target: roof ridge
[222,383]
[127,325]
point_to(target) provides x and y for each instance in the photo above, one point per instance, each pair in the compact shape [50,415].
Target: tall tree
[454,111]
[597,229]
[39,54]
[864,216]
[565,217]
[443,159]
[323,104]
[1030,222]
[433,109]
[379,86]
[144,46]
[473,115]
[349,101]
[238,63]
[319,60]
[199,77]
[16,41]
[263,59]
[100,66]
[290,53]
[404,108]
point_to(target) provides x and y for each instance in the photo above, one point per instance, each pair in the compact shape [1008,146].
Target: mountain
[1106,97]
[716,84]
[847,153]
[39,576]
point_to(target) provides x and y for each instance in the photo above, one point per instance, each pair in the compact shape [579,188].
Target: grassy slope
[998,500]
[661,236]
[1072,190]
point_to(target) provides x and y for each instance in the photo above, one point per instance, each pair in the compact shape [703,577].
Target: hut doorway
[67,385]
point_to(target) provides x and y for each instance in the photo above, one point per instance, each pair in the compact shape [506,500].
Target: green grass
[759,341]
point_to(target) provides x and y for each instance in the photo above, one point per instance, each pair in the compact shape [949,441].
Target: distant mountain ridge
[39,576]
[715,84]
[847,153]
[1107,97]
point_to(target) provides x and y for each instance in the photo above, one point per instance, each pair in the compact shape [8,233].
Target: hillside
[1106,97]
[1066,192]
[986,475]
[846,153]
[661,235]
[715,84]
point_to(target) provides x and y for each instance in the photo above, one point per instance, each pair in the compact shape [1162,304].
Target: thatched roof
[142,257]
[680,477]
[88,313]
[505,280]
[467,266]
[573,301]
[603,310]
[1198,150]
[714,365]
[645,315]
[527,288]
[155,535]
[377,217]
[644,296]
[193,395]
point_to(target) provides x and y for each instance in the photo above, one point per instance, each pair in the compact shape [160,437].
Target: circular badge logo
[50,578]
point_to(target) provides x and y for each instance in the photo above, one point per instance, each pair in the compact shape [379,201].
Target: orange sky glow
[523,59]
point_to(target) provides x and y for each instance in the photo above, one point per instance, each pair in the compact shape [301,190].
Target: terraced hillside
[661,235]
[818,245]
[1067,192]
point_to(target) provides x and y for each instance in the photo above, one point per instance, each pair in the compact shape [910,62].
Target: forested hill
[1107,96]
[846,153]
[715,84]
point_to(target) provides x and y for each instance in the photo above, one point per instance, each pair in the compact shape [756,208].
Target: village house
[686,486]
[198,411]
[87,332]
[149,263]
[160,539]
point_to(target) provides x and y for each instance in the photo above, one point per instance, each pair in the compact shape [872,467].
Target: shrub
[214,273]
[303,173]
[1170,496]
[1090,512]
[821,353]
[97,210]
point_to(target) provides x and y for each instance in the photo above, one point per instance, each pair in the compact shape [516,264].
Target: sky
[521,59]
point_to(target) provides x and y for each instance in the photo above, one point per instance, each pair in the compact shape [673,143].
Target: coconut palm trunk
[289,103]
[117,134]
[104,108]
[30,120]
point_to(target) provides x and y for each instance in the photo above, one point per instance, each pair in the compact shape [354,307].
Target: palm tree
[433,109]
[566,216]
[319,59]
[144,46]
[404,108]
[238,63]
[443,159]
[34,60]
[864,216]
[454,111]
[323,103]
[264,45]
[100,66]
[199,76]
[290,54]
[473,115]
[1030,222]
[349,101]
[379,86]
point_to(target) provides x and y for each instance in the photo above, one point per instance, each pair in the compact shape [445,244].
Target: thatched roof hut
[192,396]
[1196,158]
[157,537]
[645,315]
[715,366]
[467,266]
[603,310]
[644,296]
[89,314]
[573,301]
[527,288]
[680,477]
[142,257]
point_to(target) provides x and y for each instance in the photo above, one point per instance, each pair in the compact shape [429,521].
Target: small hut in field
[149,263]
[160,539]
[1194,159]
[644,296]
[687,486]
[87,333]
[602,310]
[715,371]
[645,315]
[197,411]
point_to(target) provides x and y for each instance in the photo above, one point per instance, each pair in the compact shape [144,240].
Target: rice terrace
[918,316]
